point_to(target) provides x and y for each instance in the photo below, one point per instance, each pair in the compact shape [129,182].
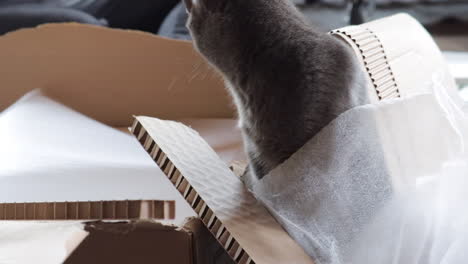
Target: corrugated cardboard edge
[399,56]
[371,52]
[240,224]
[103,210]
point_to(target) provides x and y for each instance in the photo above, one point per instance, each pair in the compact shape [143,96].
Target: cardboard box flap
[242,225]
[98,70]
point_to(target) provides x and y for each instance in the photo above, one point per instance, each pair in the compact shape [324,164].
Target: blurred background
[447,20]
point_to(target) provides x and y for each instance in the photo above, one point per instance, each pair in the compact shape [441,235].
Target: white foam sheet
[50,153]
[382,183]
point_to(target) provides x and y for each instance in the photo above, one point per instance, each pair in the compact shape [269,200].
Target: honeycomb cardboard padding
[399,56]
[101,210]
[374,60]
[239,222]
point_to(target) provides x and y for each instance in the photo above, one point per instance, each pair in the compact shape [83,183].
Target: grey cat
[288,80]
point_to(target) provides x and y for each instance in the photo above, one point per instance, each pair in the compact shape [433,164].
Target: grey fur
[288,80]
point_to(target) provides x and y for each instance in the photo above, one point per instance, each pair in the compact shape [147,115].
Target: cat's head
[223,30]
[212,24]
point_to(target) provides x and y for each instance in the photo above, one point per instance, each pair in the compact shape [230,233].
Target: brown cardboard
[140,241]
[91,70]
[241,225]
[100,210]
[133,242]
[146,242]
[111,74]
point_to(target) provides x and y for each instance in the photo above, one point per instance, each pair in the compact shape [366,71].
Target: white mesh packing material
[382,183]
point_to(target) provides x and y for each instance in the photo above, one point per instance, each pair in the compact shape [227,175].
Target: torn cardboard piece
[111,74]
[241,225]
[101,210]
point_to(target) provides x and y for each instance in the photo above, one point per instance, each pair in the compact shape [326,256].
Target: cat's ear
[189,4]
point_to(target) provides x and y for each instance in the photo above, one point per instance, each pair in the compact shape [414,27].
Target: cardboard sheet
[111,74]
[244,227]
[223,135]
[52,154]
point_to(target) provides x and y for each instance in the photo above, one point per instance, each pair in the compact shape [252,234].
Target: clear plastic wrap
[383,183]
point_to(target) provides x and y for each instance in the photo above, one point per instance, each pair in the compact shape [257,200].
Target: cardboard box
[110,75]
[133,242]
[147,242]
